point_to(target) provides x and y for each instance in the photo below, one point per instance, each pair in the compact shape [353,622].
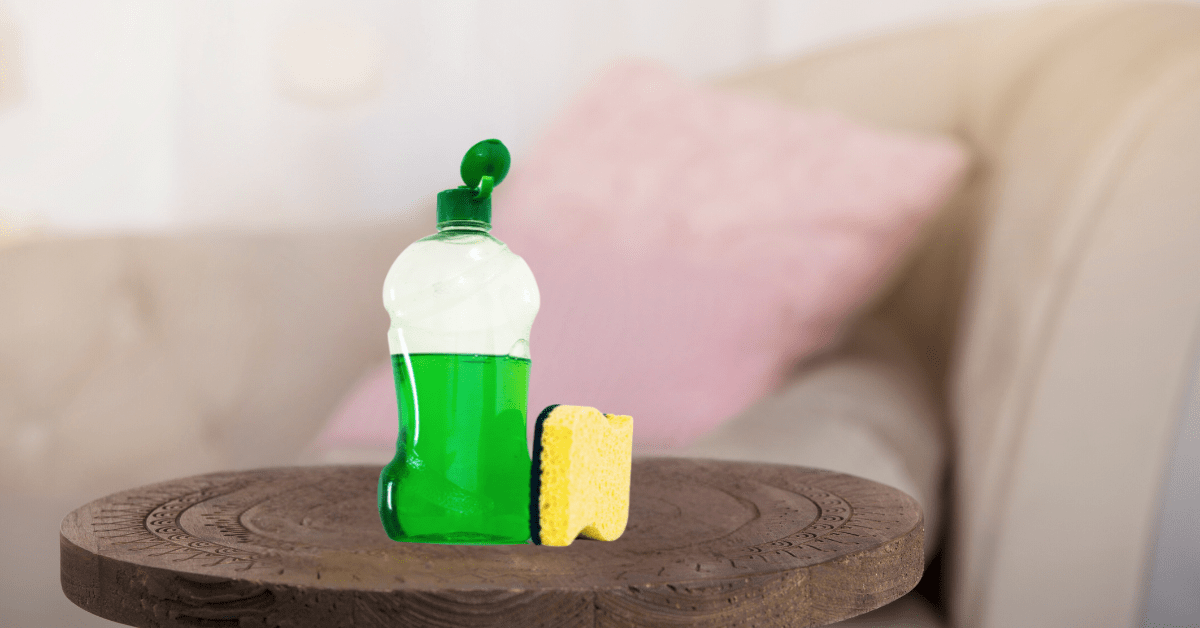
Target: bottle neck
[464,225]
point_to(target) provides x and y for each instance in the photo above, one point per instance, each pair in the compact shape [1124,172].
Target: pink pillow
[692,245]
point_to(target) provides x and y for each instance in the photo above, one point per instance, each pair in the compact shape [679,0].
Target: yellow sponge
[580,479]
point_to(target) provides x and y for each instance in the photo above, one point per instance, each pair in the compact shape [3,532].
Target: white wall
[145,114]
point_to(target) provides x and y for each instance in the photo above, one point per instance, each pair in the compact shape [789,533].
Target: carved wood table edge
[709,543]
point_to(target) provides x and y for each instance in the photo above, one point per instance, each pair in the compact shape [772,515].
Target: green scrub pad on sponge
[580,480]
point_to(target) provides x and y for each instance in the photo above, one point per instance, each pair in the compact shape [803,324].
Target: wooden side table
[709,544]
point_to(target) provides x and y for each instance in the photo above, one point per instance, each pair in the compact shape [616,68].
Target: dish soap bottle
[461,307]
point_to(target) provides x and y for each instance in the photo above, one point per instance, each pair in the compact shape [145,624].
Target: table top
[709,543]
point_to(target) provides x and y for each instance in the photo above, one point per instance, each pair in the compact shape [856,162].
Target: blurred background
[145,115]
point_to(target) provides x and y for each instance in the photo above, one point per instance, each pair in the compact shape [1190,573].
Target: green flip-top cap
[483,167]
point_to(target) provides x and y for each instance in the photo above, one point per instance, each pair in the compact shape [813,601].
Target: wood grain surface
[709,544]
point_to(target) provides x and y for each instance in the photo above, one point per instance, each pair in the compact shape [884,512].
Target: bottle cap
[483,167]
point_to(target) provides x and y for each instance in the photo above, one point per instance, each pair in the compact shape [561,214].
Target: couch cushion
[866,410]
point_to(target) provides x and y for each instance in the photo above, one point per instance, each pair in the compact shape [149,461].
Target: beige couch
[1034,354]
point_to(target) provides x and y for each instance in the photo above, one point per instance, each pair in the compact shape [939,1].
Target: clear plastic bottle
[462,306]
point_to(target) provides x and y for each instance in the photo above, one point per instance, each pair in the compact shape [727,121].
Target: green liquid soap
[461,471]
